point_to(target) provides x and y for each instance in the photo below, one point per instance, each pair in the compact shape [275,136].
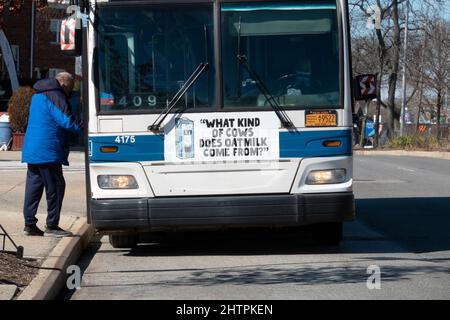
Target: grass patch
[416,142]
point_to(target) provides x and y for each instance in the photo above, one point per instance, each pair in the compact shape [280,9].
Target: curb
[425,154]
[52,274]
[74,156]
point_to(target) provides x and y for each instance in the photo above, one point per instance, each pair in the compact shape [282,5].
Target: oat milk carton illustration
[184,138]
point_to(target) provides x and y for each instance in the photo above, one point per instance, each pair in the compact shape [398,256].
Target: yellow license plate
[321,118]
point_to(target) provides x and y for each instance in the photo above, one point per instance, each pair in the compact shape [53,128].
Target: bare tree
[437,62]
[388,37]
[388,44]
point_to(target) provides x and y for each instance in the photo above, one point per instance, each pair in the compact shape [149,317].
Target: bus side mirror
[365,87]
[71,37]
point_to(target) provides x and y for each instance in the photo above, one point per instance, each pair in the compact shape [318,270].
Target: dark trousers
[50,177]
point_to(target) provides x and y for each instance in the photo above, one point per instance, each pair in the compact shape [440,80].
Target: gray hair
[64,77]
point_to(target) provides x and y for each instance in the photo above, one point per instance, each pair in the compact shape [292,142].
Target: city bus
[217,114]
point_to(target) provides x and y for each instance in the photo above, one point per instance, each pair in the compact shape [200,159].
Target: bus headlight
[327,176]
[117,182]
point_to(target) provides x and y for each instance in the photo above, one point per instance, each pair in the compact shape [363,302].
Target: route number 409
[125,139]
[138,101]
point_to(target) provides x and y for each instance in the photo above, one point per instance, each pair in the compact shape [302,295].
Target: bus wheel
[328,233]
[124,240]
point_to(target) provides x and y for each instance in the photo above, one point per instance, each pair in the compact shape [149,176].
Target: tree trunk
[419,108]
[382,51]
[438,113]
[393,72]
[391,104]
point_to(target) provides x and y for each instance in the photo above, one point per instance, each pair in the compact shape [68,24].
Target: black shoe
[56,232]
[33,231]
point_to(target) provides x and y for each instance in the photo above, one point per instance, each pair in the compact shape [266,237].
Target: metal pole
[33,9]
[402,114]
[363,124]
[378,110]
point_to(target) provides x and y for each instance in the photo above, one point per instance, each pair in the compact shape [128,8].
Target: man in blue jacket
[46,149]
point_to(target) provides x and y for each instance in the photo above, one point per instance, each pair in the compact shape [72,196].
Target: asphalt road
[402,227]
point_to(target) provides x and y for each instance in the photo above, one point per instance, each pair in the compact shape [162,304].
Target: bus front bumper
[148,214]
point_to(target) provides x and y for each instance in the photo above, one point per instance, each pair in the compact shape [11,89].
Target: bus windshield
[147,52]
[293,47]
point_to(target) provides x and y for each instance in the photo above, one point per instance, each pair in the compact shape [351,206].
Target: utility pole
[421,82]
[402,114]
[378,111]
[33,24]
[364,121]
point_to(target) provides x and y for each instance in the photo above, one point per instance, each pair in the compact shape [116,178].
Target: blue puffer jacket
[49,123]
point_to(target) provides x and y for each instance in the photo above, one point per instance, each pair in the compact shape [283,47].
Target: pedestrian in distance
[46,150]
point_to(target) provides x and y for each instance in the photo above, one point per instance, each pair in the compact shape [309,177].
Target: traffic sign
[70,37]
[68,28]
[366,87]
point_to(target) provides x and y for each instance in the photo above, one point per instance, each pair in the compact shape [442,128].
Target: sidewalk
[38,249]
[427,154]
[35,248]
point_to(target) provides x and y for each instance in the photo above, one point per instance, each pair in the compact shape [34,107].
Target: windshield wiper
[156,126]
[281,114]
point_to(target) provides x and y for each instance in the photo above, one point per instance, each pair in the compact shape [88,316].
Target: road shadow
[228,242]
[395,268]
[407,225]
[255,241]
[288,275]
[294,273]
[244,242]
[419,224]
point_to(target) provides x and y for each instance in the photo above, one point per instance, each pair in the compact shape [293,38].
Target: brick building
[35,46]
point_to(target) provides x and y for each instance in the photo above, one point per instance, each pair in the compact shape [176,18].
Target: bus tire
[123,240]
[328,233]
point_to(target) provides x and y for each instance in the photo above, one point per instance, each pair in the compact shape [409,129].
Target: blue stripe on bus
[145,148]
[302,144]
[299,144]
